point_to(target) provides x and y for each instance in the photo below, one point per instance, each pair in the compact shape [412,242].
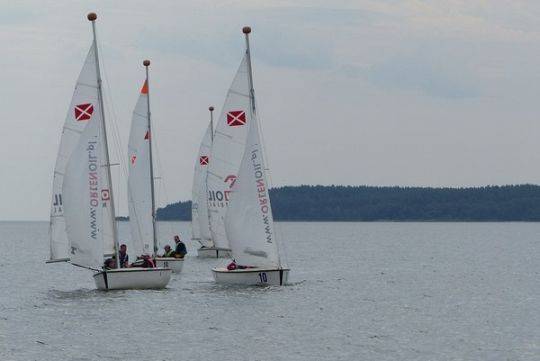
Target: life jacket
[169,254]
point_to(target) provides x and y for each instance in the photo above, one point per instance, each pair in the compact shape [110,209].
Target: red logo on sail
[133,159]
[84,111]
[147,135]
[204,160]
[231,179]
[105,195]
[236,118]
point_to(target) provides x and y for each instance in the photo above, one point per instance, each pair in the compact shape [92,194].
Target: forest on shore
[369,203]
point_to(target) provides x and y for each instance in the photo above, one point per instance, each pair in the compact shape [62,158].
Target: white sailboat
[84,220]
[141,194]
[228,146]
[249,223]
[200,220]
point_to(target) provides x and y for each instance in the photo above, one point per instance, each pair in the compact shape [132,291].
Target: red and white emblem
[236,118]
[203,160]
[133,159]
[83,111]
[231,179]
[105,195]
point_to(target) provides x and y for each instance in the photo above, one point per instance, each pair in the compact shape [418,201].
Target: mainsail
[139,179]
[227,151]
[200,220]
[83,106]
[82,193]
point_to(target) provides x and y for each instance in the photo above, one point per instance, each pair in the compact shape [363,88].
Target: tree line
[368,203]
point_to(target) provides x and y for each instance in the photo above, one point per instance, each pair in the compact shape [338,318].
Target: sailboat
[200,219]
[249,223]
[227,150]
[83,223]
[141,193]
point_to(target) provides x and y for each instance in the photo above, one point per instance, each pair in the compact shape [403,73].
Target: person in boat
[110,263]
[124,258]
[180,250]
[144,261]
[168,252]
[234,266]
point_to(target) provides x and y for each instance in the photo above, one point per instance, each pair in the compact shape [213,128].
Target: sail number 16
[262,277]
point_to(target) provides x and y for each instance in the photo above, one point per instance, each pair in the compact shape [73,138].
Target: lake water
[359,291]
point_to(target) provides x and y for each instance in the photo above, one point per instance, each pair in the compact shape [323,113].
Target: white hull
[132,278]
[175,264]
[251,276]
[213,252]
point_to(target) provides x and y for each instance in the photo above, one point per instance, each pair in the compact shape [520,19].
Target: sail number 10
[262,277]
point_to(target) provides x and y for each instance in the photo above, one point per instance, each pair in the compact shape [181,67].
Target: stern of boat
[251,276]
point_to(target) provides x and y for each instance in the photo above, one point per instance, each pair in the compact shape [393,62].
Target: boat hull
[175,264]
[213,252]
[251,276]
[137,278]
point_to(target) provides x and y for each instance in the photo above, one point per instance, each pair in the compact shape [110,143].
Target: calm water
[359,291]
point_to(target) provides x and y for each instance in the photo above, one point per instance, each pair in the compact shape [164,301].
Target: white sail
[81,190]
[83,106]
[249,223]
[227,151]
[139,186]
[200,220]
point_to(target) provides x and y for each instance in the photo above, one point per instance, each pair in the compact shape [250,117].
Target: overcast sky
[428,93]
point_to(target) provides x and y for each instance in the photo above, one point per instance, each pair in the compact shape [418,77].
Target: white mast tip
[246,30]
[146,63]
[211,109]
[91,16]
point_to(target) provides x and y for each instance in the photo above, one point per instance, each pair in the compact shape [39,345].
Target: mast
[92,17]
[246,30]
[146,64]
[211,109]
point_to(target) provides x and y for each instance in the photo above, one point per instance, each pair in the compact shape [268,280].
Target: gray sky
[429,93]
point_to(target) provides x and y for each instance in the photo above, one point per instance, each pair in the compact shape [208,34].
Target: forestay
[83,107]
[81,190]
[139,186]
[227,151]
[249,223]
[200,221]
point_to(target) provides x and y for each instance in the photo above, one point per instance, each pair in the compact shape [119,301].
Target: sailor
[180,250]
[168,252]
[110,263]
[234,266]
[124,258]
[145,261]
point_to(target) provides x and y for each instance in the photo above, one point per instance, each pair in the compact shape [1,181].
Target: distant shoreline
[509,203]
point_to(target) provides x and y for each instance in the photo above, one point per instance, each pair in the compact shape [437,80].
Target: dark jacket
[124,260]
[180,249]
